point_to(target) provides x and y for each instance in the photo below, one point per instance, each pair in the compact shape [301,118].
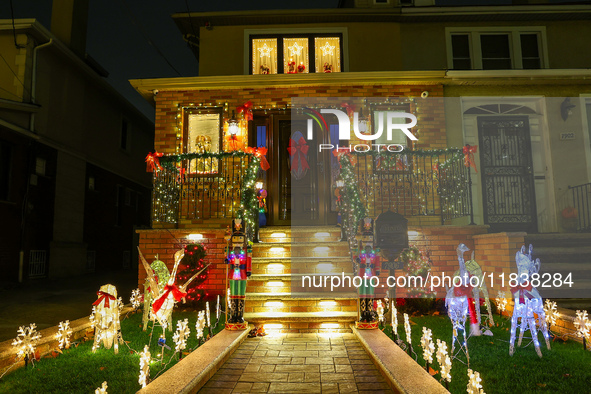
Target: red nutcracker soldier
[368,266]
[240,268]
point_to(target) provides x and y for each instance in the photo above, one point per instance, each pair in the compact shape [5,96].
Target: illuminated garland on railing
[248,201]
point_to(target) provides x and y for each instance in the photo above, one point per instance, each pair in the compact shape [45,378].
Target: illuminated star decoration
[582,324]
[63,334]
[200,324]
[102,389]
[265,50]
[295,49]
[144,366]
[135,299]
[327,49]
[550,312]
[501,301]
[474,386]
[443,360]
[181,335]
[427,345]
[407,329]
[26,340]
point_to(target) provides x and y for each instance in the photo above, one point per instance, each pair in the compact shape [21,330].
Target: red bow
[167,290]
[104,297]
[344,152]
[349,108]
[260,153]
[298,151]
[153,161]
[469,151]
[522,294]
[246,109]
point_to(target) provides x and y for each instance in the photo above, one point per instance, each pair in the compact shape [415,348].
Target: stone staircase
[275,296]
[565,253]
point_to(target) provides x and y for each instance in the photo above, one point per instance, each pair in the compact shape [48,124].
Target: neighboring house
[496,77]
[72,175]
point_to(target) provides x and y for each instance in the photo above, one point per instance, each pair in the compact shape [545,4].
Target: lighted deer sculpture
[164,300]
[460,304]
[527,302]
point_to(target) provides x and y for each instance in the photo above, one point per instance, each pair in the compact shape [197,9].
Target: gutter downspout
[34,80]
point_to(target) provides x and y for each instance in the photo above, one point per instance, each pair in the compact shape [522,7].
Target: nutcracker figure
[368,266]
[240,267]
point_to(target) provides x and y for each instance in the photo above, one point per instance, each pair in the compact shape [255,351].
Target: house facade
[72,184]
[492,77]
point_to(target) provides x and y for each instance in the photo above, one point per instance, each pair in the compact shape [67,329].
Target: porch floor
[299,363]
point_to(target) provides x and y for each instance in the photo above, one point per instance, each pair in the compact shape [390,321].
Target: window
[125,135]
[5,169]
[203,134]
[496,48]
[296,53]
[40,164]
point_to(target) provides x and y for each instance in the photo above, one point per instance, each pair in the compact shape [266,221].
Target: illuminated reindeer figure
[165,299]
[459,302]
[527,302]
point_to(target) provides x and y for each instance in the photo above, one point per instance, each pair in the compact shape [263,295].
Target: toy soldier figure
[368,263]
[239,264]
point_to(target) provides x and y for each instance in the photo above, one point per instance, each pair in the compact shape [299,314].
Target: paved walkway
[298,363]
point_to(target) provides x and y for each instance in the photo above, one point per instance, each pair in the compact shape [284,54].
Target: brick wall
[164,243]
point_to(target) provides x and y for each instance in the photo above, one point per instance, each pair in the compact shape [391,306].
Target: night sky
[119,32]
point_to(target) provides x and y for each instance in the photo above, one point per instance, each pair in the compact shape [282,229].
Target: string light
[427,345]
[63,334]
[144,367]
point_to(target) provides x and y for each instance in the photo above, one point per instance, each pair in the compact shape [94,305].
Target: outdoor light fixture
[321,249]
[329,325]
[328,303]
[233,127]
[273,303]
[413,233]
[278,249]
[273,326]
[321,235]
[275,284]
[362,122]
[278,235]
[195,237]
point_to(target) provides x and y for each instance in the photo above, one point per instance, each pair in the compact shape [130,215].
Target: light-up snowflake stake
[135,299]
[407,329]
[427,345]
[26,341]
[501,301]
[181,335]
[551,312]
[200,325]
[474,386]
[444,361]
[63,334]
[144,366]
[582,324]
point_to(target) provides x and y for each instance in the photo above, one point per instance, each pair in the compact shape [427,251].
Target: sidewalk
[47,302]
[298,363]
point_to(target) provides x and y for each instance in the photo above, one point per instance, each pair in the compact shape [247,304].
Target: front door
[508,192]
[298,182]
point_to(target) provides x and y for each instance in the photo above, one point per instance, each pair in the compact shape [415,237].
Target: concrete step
[300,305]
[308,249]
[304,283]
[301,267]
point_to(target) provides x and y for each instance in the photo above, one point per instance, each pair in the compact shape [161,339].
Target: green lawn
[566,368]
[78,370]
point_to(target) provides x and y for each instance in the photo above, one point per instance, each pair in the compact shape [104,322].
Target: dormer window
[296,53]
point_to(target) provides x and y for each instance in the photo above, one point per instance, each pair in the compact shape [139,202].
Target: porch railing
[431,185]
[581,199]
[191,188]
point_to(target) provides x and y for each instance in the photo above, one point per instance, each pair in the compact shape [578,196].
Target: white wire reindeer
[527,302]
[457,302]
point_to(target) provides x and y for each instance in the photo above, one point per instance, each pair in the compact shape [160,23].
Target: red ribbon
[167,290]
[153,161]
[260,153]
[261,201]
[349,108]
[246,108]
[104,297]
[298,151]
[469,151]
[521,287]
